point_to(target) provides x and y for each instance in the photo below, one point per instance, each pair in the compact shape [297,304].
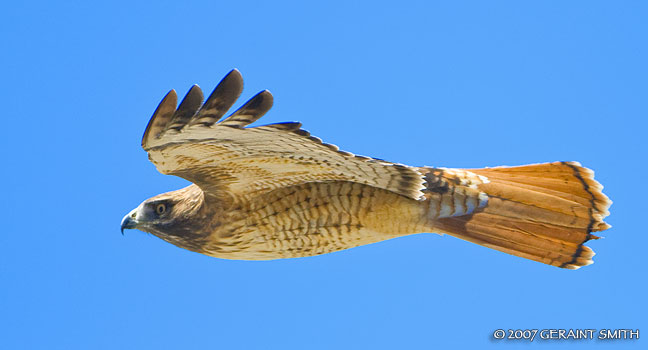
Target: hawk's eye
[160,208]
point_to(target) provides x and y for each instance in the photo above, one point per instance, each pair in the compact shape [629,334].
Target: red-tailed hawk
[274,191]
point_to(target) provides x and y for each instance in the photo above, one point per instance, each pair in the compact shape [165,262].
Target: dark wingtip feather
[160,118]
[251,111]
[187,109]
[220,100]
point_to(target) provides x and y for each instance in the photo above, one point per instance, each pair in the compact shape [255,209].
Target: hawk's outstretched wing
[228,159]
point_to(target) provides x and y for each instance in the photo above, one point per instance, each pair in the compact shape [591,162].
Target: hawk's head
[170,216]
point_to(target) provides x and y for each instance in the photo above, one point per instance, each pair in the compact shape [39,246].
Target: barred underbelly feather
[318,218]
[453,192]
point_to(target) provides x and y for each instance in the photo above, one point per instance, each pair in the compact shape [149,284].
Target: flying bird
[274,191]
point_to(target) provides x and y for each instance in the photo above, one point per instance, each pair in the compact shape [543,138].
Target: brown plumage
[274,191]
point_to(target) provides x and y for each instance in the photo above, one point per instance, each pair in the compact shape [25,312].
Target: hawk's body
[274,191]
[314,218]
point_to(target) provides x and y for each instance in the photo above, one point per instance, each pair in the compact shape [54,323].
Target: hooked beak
[129,221]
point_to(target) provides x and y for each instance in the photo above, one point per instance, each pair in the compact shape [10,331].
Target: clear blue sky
[456,84]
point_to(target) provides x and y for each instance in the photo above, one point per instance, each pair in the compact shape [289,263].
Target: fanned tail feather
[543,212]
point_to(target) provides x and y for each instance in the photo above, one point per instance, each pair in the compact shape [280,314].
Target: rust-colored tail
[543,212]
